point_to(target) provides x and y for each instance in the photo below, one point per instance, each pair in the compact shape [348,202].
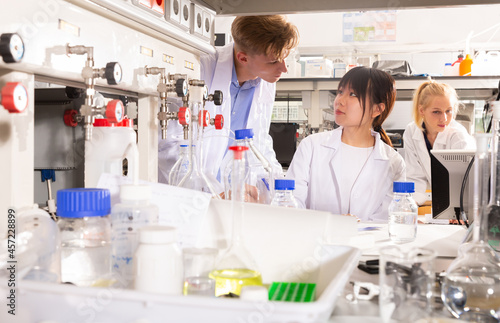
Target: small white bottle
[158,261]
[283,195]
[403,213]
[127,218]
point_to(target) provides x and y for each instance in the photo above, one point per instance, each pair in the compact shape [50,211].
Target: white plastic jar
[112,150]
[158,261]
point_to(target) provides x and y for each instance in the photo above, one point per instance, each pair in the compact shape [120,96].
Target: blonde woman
[435,107]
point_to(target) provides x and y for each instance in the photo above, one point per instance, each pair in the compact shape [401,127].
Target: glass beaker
[236,268]
[406,284]
[198,263]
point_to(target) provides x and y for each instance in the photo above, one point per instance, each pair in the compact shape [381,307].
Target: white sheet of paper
[178,207]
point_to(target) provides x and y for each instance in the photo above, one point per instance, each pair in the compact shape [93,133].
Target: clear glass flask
[195,178]
[471,289]
[181,166]
[236,268]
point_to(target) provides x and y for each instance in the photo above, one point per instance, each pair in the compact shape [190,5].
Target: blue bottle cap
[243,134]
[82,202]
[403,187]
[284,184]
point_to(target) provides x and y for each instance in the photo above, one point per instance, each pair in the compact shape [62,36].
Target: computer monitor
[448,168]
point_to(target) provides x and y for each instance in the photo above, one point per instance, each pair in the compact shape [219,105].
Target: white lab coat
[216,71]
[316,167]
[418,161]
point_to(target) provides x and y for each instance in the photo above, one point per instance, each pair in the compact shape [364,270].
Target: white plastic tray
[287,246]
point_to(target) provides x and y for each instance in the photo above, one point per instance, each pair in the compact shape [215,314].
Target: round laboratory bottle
[258,175]
[236,268]
[85,235]
[127,217]
[181,166]
[158,261]
[38,244]
[283,193]
[403,213]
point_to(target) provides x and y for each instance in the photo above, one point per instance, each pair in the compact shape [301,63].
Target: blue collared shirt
[241,101]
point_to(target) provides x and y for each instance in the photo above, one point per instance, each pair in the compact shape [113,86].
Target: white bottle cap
[157,234]
[135,192]
[254,293]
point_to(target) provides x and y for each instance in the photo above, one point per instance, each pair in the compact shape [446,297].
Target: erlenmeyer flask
[194,178]
[236,268]
[471,289]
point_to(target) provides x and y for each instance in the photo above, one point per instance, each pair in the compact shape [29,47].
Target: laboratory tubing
[85,236]
[198,263]
[133,212]
[236,268]
[471,287]
[158,261]
[283,193]
[403,213]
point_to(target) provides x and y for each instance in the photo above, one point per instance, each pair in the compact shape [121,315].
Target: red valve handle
[204,120]
[219,121]
[115,111]
[184,116]
[69,117]
[14,97]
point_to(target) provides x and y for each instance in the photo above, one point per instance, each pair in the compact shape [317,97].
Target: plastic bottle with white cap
[157,262]
[127,217]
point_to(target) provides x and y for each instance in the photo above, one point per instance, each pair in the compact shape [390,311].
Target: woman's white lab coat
[418,161]
[216,71]
[316,167]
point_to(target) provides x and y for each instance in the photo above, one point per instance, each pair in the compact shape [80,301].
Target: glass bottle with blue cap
[283,193]
[259,176]
[85,235]
[403,213]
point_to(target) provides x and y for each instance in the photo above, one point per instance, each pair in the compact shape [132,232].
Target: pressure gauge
[11,48]
[181,87]
[205,92]
[115,111]
[14,97]
[113,73]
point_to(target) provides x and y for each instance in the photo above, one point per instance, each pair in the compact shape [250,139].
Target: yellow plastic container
[466,66]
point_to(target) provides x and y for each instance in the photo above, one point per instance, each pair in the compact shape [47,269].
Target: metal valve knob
[181,87]
[11,48]
[113,73]
[115,111]
[14,97]
[219,121]
[184,116]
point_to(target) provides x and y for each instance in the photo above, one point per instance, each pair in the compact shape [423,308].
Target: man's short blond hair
[265,35]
